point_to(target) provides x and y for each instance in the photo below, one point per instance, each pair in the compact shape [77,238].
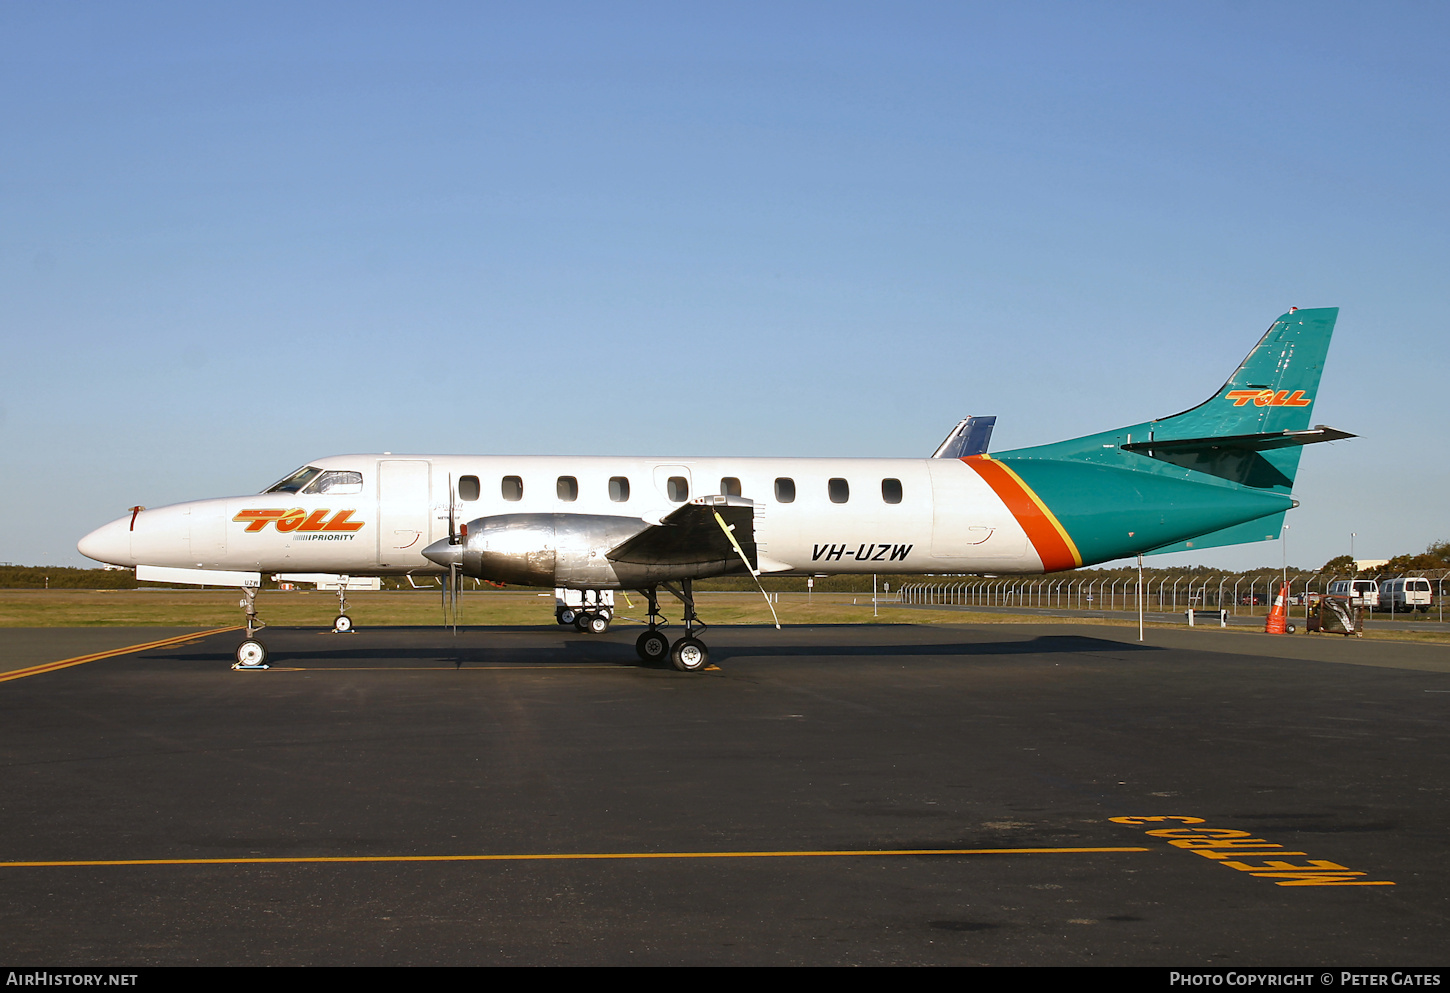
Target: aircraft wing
[690,535]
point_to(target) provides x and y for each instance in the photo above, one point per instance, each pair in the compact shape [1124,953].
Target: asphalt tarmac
[842,795]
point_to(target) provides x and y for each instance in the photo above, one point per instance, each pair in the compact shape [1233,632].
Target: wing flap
[690,535]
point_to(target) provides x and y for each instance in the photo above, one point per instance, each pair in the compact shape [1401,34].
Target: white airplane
[1219,473]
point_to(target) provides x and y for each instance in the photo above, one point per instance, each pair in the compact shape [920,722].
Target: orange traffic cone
[1279,615]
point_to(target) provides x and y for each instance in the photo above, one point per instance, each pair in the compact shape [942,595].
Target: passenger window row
[838,489]
[677,488]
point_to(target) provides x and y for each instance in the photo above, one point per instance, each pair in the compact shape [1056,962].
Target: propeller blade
[452,529]
[453,575]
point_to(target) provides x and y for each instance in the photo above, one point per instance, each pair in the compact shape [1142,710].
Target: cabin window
[468,488]
[337,483]
[891,490]
[513,488]
[618,489]
[677,488]
[784,490]
[730,486]
[568,489]
[839,489]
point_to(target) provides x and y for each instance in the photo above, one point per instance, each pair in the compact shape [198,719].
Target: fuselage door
[969,521]
[403,502]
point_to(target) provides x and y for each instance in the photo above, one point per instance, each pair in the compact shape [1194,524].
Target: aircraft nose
[444,554]
[109,543]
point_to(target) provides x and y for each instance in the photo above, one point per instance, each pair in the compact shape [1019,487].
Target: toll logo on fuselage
[300,520]
[1268,398]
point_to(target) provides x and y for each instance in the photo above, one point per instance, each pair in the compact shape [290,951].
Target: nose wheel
[341,624]
[251,653]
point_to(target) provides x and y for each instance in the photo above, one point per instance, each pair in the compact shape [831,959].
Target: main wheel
[689,655]
[652,646]
[596,624]
[251,654]
[342,624]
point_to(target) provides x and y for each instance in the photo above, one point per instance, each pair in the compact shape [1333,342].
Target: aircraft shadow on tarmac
[605,652]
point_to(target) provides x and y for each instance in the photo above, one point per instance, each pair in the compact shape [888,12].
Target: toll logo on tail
[1269,398]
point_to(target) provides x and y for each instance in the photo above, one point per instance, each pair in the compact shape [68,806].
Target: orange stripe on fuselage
[1048,536]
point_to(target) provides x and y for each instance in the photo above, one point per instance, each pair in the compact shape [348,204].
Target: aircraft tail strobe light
[1218,473]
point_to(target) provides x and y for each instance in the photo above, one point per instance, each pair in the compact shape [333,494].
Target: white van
[1405,595]
[1364,592]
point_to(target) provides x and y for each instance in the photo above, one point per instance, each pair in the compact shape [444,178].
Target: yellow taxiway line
[36,670]
[568,857]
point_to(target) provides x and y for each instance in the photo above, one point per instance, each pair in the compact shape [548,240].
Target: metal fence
[1208,591]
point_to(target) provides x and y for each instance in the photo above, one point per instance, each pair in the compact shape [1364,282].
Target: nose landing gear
[341,624]
[251,653]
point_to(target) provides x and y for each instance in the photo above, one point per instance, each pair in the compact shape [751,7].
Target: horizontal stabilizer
[1242,442]
[1236,457]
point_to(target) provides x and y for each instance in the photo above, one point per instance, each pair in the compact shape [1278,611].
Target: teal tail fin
[1274,387]
[1218,473]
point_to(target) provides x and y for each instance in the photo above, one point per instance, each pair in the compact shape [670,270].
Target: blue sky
[237,237]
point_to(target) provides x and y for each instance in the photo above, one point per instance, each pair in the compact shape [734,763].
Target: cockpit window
[296,481]
[336,482]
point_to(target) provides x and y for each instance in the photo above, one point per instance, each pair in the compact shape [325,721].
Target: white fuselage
[941,518]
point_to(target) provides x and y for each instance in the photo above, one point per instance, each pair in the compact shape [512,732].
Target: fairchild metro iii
[1219,473]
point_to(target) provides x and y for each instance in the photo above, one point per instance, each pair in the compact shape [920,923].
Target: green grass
[220,608]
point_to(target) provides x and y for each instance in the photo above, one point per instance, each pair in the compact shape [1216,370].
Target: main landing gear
[688,654]
[251,653]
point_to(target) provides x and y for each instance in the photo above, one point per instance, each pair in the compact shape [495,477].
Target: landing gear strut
[341,624]
[689,654]
[251,653]
[652,646]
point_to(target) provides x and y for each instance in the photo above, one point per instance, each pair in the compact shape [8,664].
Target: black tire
[342,624]
[251,654]
[652,647]
[689,655]
[567,615]
[597,624]
[581,622]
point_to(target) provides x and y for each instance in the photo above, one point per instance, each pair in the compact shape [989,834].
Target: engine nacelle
[547,549]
